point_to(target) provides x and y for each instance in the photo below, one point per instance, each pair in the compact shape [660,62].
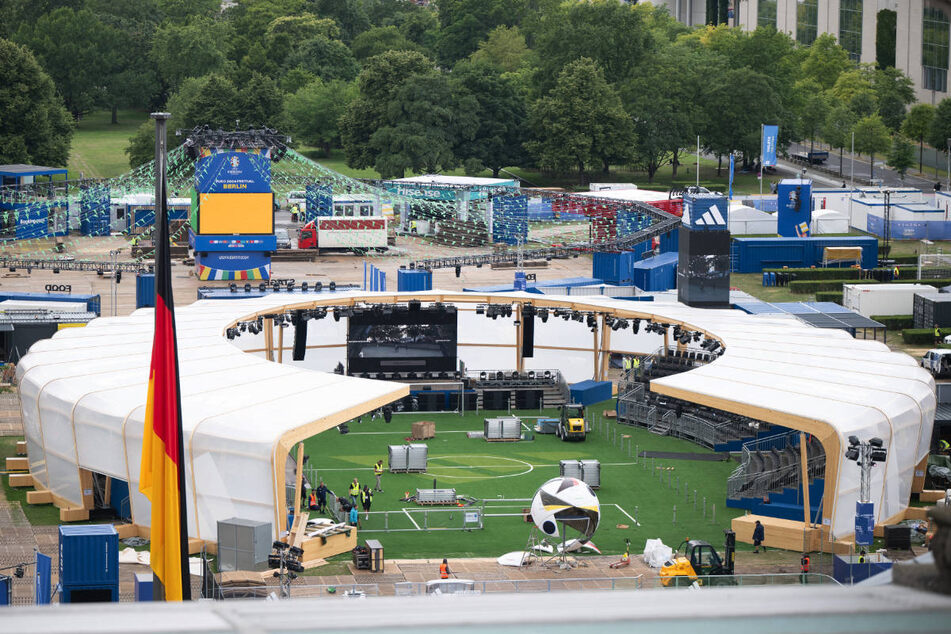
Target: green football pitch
[637,495]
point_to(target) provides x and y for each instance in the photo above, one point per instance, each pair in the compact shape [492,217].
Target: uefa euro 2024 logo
[235,162]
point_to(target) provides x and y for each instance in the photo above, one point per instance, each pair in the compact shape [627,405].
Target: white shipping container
[882,299]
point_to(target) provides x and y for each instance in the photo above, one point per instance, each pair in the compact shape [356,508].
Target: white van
[937,361]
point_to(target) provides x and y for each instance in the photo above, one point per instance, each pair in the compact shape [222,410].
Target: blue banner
[263,242]
[732,166]
[233,173]
[43,593]
[770,139]
[509,219]
[32,221]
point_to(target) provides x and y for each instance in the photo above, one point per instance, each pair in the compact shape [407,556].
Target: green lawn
[488,471]
[37,514]
[752,283]
[98,148]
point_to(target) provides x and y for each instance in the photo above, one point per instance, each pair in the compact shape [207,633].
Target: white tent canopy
[825,221]
[747,221]
[83,395]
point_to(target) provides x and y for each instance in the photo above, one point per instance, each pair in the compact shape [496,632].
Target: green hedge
[922,335]
[896,322]
[829,296]
[818,274]
[813,286]
[906,259]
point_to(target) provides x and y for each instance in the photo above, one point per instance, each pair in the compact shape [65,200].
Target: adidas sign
[713,218]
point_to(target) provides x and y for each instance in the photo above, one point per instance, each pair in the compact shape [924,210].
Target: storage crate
[570,469]
[417,456]
[503,428]
[435,496]
[591,473]
[88,556]
[424,429]
[398,457]
[243,544]
[590,392]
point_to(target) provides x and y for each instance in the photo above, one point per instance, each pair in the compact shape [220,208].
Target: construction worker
[626,364]
[366,499]
[759,534]
[412,226]
[322,497]
[804,567]
[354,492]
[862,556]
[378,472]
[444,571]
[312,501]
[937,334]
[636,364]
[944,446]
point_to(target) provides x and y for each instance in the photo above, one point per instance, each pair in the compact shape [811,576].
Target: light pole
[114,254]
[948,153]
[865,454]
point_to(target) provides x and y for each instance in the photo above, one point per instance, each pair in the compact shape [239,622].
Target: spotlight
[685,338]
[635,326]
[233,287]
[247,288]
[336,313]
[543,314]
[304,286]
[244,326]
[876,442]
[333,286]
[576,316]
[318,287]
[853,441]
[482,376]
[480,310]
[262,287]
[624,323]
[499,376]
[852,453]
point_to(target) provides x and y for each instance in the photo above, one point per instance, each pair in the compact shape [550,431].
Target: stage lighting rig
[480,309]
[635,326]
[543,314]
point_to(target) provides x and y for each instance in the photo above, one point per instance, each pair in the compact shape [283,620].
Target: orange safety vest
[443,571]
[805,563]
[313,499]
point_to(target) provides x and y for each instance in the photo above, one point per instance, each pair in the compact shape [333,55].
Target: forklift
[700,559]
[571,427]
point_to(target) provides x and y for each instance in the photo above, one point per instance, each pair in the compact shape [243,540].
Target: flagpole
[163,273]
[698,160]
[762,155]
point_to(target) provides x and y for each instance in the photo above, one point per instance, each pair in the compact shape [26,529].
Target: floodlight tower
[866,455]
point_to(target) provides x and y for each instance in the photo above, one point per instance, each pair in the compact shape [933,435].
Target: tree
[837,130]
[581,123]
[284,32]
[194,49]
[260,102]
[421,129]
[378,40]
[211,100]
[141,147]
[902,155]
[894,91]
[313,113]
[35,127]
[815,108]
[736,106]
[613,34]
[871,137]
[916,126]
[826,61]
[500,110]
[465,23]
[349,15]
[324,58]
[505,49]
[73,47]
[940,131]
[378,83]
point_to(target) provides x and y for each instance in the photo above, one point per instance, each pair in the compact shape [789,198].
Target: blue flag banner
[732,166]
[43,579]
[770,136]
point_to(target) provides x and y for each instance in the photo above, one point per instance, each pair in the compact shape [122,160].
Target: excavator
[697,558]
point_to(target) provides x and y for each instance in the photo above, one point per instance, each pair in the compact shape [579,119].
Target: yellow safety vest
[378,469]
[354,489]
[636,362]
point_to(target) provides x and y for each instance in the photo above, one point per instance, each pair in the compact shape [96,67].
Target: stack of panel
[435,496]
[417,457]
[503,428]
[399,457]
[591,473]
[570,469]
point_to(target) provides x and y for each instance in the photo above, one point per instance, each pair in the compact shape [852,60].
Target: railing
[746,482]
[464,518]
[532,586]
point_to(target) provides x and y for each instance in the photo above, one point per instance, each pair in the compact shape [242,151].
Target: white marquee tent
[826,221]
[83,394]
[746,221]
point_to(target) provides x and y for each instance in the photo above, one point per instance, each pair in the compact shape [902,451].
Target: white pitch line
[618,506]
[412,520]
[404,433]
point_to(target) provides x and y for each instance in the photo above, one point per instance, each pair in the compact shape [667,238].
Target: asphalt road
[830,171]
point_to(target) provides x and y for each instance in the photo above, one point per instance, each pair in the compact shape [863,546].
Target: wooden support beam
[605,351]
[300,477]
[17,463]
[804,464]
[39,497]
[269,339]
[280,345]
[20,480]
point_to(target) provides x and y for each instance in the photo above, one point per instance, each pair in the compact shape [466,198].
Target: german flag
[162,476]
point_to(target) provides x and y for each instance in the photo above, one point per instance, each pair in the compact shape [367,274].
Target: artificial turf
[492,470]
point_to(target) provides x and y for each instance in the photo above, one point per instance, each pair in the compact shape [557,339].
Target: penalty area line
[618,507]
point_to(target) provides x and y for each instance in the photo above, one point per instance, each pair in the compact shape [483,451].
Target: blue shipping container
[92,301]
[658,273]
[144,290]
[88,556]
[590,392]
[614,267]
[143,586]
[670,241]
[752,255]
[409,280]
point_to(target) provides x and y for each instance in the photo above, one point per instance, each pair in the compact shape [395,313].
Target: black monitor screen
[402,340]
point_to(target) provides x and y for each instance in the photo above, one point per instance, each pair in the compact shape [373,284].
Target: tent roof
[742,212]
[242,413]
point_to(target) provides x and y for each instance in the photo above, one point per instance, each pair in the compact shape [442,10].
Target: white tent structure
[747,221]
[826,221]
[83,393]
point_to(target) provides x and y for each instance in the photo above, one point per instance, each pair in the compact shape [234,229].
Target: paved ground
[860,167]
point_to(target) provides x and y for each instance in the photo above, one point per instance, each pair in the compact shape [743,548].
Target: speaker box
[528,331]
[703,268]
[300,339]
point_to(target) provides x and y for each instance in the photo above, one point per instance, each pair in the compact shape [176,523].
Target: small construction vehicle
[697,560]
[572,427]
